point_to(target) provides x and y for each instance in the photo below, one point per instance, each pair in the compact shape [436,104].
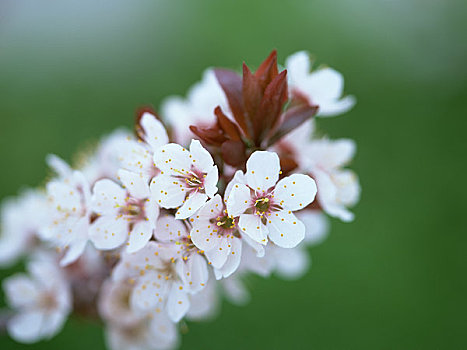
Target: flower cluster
[157,223]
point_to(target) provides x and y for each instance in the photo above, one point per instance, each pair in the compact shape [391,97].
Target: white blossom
[136,155]
[187,180]
[125,214]
[18,235]
[68,198]
[42,301]
[322,87]
[265,206]
[215,232]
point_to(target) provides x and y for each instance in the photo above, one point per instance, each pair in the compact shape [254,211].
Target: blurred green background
[396,277]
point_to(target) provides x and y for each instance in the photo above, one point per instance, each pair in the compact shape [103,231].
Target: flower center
[134,209]
[193,179]
[226,222]
[262,205]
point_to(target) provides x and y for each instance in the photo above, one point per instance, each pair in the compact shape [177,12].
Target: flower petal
[140,235]
[167,192]
[20,290]
[191,205]
[285,230]
[250,224]
[218,255]
[155,133]
[135,183]
[177,303]
[202,159]
[233,259]
[169,229]
[210,182]
[108,232]
[107,197]
[239,200]
[26,327]
[262,170]
[295,192]
[172,159]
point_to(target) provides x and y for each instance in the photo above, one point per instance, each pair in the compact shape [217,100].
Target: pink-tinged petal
[295,192]
[191,205]
[169,229]
[177,303]
[233,259]
[250,224]
[20,290]
[202,159]
[239,200]
[172,159]
[210,181]
[239,178]
[262,170]
[285,230]
[167,192]
[155,133]
[26,327]
[139,236]
[137,185]
[194,273]
[218,255]
[108,232]
[107,197]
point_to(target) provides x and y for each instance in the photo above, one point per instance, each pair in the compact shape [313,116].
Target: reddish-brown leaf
[292,119]
[267,71]
[271,106]
[231,83]
[233,153]
[252,94]
[211,136]
[228,126]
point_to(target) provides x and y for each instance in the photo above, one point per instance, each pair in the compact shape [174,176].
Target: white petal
[239,178]
[151,209]
[295,192]
[285,230]
[20,290]
[155,133]
[169,229]
[139,236]
[195,272]
[316,226]
[149,292]
[210,182]
[239,200]
[298,67]
[178,303]
[26,327]
[59,165]
[78,243]
[338,107]
[53,323]
[191,205]
[212,209]
[250,224]
[325,84]
[108,232]
[221,250]
[167,192]
[262,170]
[172,159]
[107,197]
[233,259]
[135,157]
[134,183]
[291,263]
[201,157]
[203,236]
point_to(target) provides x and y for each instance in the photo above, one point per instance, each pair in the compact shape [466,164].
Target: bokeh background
[396,277]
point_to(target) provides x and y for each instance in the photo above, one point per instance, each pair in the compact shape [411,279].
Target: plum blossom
[197,108]
[322,87]
[265,206]
[157,280]
[68,197]
[19,236]
[215,232]
[42,301]
[187,180]
[136,155]
[127,213]
[191,264]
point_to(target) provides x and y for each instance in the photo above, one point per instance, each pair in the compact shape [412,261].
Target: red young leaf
[211,136]
[267,71]
[292,119]
[252,94]
[229,127]
[231,83]
[233,153]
